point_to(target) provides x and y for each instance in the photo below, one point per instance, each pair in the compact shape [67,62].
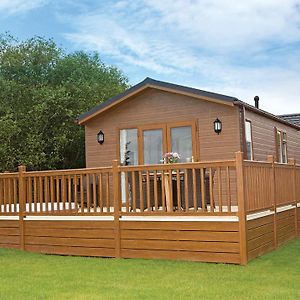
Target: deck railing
[209,188]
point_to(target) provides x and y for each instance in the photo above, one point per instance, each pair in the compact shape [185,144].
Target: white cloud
[19,6]
[240,48]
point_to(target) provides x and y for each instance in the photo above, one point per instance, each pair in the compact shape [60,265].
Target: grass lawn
[26,275]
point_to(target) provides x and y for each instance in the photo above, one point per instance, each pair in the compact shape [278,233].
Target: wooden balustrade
[82,191]
[179,188]
[182,188]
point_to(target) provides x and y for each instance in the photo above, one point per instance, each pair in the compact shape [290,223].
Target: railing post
[241,207]
[292,162]
[22,205]
[271,160]
[116,197]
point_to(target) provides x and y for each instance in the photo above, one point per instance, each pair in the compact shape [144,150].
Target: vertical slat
[163,194]
[194,190]
[46,194]
[171,190]
[141,191]
[81,195]
[29,186]
[75,181]
[5,195]
[178,190]
[155,191]
[203,189]
[186,189]
[133,191]
[100,192]
[9,194]
[211,191]
[15,194]
[35,194]
[148,190]
[94,193]
[88,192]
[69,192]
[52,192]
[41,190]
[228,190]
[57,194]
[107,193]
[220,190]
[1,195]
[126,192]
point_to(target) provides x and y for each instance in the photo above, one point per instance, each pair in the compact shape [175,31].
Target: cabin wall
[155,107]
[263,135]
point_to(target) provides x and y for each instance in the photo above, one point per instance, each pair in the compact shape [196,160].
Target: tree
[42,91]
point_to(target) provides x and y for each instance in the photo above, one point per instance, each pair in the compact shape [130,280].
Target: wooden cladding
[197,241]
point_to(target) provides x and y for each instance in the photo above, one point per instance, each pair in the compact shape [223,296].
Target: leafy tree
[42,91]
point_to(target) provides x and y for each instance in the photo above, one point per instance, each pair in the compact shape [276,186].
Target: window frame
[281,146]
[251,136]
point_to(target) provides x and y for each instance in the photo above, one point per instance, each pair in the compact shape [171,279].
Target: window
[129,147]
[249,146]
[281,146]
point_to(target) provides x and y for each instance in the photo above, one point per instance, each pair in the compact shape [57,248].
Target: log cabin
[233,195]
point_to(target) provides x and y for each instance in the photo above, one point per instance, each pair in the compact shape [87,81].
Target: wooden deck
[225,211]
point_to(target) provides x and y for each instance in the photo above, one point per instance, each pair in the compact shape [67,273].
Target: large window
[249,145]
[281,146]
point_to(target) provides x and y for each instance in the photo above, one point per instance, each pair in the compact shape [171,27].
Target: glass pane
[249,140]
[181,139]
[153,147]
[128,147]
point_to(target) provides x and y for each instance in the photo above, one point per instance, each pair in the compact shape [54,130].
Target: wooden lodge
[233,194]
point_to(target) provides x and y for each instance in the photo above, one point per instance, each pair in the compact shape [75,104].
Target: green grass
[26,275]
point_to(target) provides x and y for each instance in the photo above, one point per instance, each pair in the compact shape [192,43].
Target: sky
[237,48]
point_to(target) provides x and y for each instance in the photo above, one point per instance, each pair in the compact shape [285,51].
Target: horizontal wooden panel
[286,230]
[257,242]
[9,239]
[286,237]
[260,250]
[9,231]
[64,250]
[180,245]
[182,255]
[80,233]
[180,235]
[82,242]
[12,246]
[260,221]
[70,224]
[289,221]
[165,225]
[9,224]
[256,232]
[285,214]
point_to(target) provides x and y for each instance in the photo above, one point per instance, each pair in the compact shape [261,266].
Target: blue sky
[239,48]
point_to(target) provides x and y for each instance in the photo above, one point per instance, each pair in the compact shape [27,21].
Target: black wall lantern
[100,137]
[217,126]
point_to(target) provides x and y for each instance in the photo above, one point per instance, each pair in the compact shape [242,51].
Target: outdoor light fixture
[100,137]
[217,126]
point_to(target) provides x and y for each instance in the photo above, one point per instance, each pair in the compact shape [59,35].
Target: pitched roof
[161,85]
[292,118]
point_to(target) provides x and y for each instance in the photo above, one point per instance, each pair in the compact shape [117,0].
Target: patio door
[174,137]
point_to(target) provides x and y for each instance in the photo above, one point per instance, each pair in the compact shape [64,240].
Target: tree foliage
[42,91]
